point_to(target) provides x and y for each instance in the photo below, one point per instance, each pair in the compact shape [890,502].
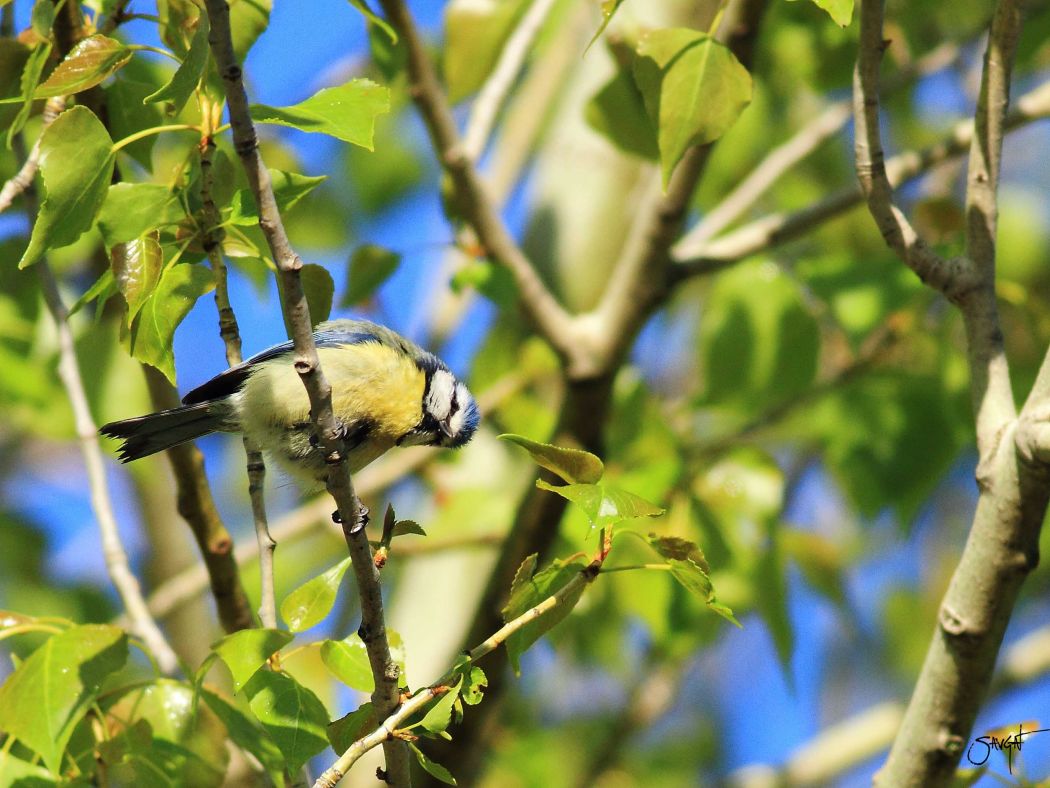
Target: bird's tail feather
[155,432]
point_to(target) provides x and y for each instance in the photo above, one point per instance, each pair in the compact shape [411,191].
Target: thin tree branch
[329,431]
[801,144]
[196,505]
[494,92]
[388,728]
[776,229]
[211,239]
[1003,544]
[116,557]
[554,324]
[23,179]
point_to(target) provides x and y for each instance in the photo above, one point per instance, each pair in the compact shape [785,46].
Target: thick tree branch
[329,430]
[196,505]
[780,228]
[554,324]
[1003,545]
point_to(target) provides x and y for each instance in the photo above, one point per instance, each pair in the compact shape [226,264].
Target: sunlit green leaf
[243,731]
[528,591]
[674,547]
[839,10]
[347,112]
[136,267]
[248,20]
[608,8]
[246,651]
[694,90]
[45,698]
[127,114]
[356,725]
[474,685]
[369,267]
[31,73]
[133,209]
[604,505]
[184,81]
[291,714]
[475,33]
[572,465]
[431,767]
[348,661]
[374,20]
[153,331]
[307,605]
[86,65]
[288,189]
[439,715]
[405,527]
[618,113]
[76,162]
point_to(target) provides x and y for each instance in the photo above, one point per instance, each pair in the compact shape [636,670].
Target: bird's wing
[331,335]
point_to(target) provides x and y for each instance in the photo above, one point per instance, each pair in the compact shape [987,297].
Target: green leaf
[694,579]
[604,505]
[188,75]
[133,209]
[153,331]
[291,714]
[31,72]
[248,20]
[433,768]
[841,11]
[572,465]
[288,189]
[347,112]
[674,547]
[127,115]
[438,716]
[527,592]
[474,37]
[694,90]
[42,17]
[405,527]
[374,20]
[307,605]
[608,8]
[105,287]
[356,725]
[246,651]
[770,584]
[136,267]
[244,732]
[76,162]
[759,342]
[86,65]
[369,267]
[347,660]
[474,686]
[493,281]
[16,772]
[44,699]
[618,113]
[319,288]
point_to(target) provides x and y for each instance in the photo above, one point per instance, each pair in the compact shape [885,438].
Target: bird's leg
[362,518]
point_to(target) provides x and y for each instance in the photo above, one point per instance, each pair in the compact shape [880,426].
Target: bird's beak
[445,428]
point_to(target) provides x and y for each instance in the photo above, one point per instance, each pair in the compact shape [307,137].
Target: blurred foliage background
[802,413]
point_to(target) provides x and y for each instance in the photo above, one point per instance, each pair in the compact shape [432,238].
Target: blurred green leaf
[759,343]
[369,267]
[433,768]
[841,11]
[31,73]
[248,20]
[347,660]
[770,584]
[105,287]
[694,89]
[374,20]
[86,65]
[16,772]
[529,590]
[153,331]
[608,8]
[246,651]
[131,210]
[603,504]
[347,112]
[679,549]
[572,465]
[136,267]
[474,37]
[493,281]
[293,716]
[42,701]
[76,162]
[42,17]
[184,81]
[244,732]
[288,189]
[695,580]
[356,725]
[319,288]
[307,605]
[618,113]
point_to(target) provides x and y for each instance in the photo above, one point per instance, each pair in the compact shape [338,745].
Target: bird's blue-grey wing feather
[226,383]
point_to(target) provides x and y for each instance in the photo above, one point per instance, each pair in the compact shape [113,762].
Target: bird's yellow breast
[369,381]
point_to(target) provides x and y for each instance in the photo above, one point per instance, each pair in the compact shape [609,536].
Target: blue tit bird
[386,391]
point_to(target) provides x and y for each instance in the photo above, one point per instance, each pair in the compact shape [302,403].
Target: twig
[782,158]
[328,429]
[554,324]
[23,179]
[776,229]
[494,91]
[196,505]
[1002,547]
[388,728]
[211,239]
[113,551]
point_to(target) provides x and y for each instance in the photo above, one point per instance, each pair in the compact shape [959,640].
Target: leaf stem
[138,135]
[157,50]
[629,567]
